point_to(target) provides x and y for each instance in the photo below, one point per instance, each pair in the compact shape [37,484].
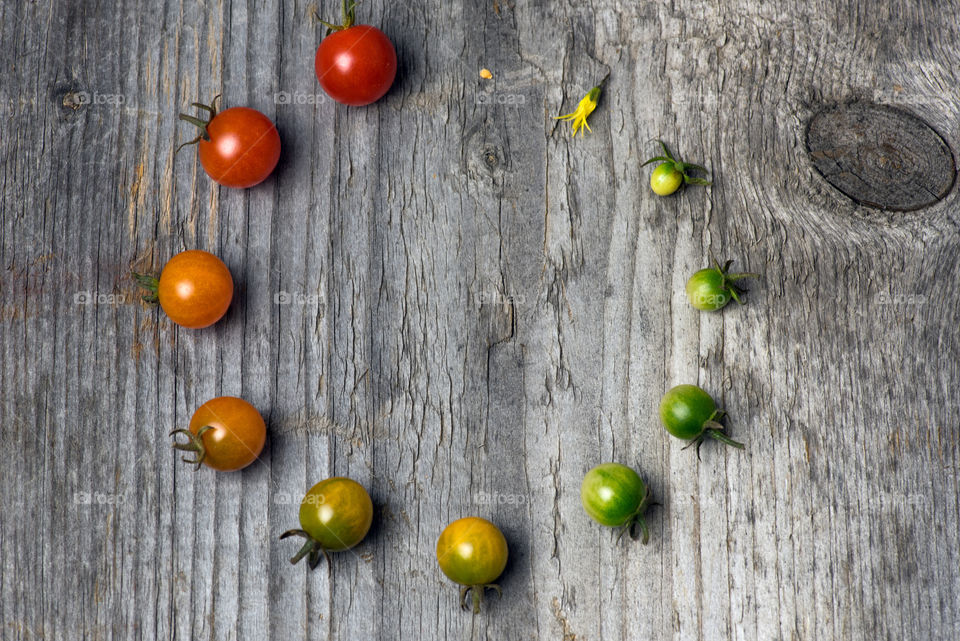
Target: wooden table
[449,299]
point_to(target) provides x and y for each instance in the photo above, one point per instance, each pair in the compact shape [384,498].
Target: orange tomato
[195,289]
[226,433]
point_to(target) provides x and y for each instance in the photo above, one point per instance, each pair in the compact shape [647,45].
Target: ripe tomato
[335,515]
[355,64]
[689,413]
[194,289]
[238,147]
[614,495]
[226,433]
[472,552]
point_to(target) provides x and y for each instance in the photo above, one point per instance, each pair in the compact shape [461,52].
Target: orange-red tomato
[195,289]
[236,437]
[243,149]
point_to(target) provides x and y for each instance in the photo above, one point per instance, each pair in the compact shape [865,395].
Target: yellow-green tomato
[666,179]
[612,494]
[472,551]
[336,513]
[708,290]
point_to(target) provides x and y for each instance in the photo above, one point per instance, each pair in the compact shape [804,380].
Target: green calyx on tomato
[349,17]
[689,413]
[614,495]
[150,284]
[193,444]
[202,124]
[335,515]
[671,173]
[712,288]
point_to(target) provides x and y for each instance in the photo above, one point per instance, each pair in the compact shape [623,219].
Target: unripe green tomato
[685,409]
[611,494]
[665,179]
[337,513]
[706,290]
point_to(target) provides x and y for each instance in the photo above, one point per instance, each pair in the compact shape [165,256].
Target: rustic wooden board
[447,298]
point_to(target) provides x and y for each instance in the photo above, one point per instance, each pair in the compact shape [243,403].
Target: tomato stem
[349,17]
[727,280]
[311,548]
[476,592]
[197,122]
[636,520]
[714,430]
[723,438]
[150,284]
[194,444]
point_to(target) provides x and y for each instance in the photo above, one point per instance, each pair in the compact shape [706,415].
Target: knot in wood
[880,156]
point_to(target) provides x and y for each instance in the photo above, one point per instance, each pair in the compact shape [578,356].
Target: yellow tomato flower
[584,109]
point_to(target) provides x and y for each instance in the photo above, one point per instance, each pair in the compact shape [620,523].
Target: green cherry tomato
[335,515]
[472,552]
[712,288]
[672,173]
[614,495]
[689,413]
[665,179]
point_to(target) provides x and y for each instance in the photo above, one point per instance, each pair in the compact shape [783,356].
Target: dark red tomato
[356,65]
[243,149]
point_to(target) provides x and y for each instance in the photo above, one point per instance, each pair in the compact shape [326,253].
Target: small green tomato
[335,515]
[712,288]
[689,413]
[665,179]
[672,173]
[614,495]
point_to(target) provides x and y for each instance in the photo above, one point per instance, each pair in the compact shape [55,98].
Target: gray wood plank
[449,299]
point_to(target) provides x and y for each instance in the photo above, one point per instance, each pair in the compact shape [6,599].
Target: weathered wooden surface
[474,310]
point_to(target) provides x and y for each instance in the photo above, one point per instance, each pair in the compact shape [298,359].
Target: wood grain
[449,299]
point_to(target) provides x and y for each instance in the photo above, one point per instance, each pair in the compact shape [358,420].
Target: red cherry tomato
[356,65]
[238,147]
[243,150]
